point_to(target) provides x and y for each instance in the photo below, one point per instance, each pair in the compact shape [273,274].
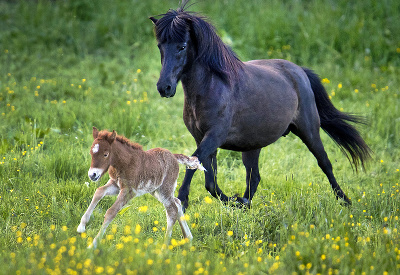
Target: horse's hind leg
[250,161]
[310,136]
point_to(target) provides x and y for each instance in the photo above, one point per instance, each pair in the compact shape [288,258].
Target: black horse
[245,106]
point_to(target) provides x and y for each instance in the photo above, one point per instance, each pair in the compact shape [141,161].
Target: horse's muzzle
[166,90]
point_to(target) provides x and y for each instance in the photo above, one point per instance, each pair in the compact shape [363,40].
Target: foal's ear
[153,19]
[95,132]
[112,137]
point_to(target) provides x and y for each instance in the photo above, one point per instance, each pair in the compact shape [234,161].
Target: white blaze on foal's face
[95,148]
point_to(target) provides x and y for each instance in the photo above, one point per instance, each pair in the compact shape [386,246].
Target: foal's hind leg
[174,213]
[313,141]
[182,222]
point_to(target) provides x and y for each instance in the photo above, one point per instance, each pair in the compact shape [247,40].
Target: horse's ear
[153,19]
[95,132]
[112,137]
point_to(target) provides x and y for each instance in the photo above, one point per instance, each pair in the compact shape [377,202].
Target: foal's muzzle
[95,174]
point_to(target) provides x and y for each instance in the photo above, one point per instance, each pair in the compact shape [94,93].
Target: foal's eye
[105,155]
[181,48]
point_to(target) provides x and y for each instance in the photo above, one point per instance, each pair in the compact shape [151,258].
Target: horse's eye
[181,48]
[105,155]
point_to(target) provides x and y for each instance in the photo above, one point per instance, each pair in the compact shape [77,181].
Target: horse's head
[185,39]
[173,37]
[100,151]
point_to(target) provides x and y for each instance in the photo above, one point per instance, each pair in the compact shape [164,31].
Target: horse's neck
[196,81]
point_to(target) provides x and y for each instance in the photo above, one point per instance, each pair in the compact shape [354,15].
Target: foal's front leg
[110,188]
[124,196]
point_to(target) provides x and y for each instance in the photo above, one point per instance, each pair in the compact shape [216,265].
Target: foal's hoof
[81,228]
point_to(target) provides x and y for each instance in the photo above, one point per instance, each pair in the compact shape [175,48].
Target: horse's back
[286,71]
[288,81]
[306,114]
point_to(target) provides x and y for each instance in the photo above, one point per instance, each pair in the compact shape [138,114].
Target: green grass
[69,65]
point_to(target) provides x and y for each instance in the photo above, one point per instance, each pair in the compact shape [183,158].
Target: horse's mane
[104,134]
[211,51]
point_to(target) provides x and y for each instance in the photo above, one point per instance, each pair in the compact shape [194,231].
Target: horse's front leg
[108,189]
[183,194]
[210,164]
[205,149]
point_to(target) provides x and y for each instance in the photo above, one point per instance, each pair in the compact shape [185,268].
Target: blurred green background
[66,66]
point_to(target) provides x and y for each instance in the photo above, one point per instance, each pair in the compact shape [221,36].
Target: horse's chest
[192,122]
[199,117]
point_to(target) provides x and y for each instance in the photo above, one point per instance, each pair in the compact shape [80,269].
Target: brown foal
[134,172]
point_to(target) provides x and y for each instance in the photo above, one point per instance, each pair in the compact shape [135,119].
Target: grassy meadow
[69,65]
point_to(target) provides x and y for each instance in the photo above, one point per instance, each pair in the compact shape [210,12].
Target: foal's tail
[190,162]
[335,124]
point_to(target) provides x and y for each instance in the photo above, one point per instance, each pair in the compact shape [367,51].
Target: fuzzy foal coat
[134,172]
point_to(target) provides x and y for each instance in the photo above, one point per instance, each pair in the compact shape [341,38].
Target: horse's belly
[249,134]
[249,141]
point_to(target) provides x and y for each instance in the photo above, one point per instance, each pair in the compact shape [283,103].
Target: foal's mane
[214,54]
[123,140]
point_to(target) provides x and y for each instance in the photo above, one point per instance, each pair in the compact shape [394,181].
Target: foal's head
[100,151]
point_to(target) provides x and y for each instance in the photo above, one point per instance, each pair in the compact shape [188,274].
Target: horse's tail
[335,124]
[190,162]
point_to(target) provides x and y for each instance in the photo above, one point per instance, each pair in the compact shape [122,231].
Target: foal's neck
[125,153]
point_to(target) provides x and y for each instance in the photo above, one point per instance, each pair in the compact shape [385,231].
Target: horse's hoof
[243,202]
[185,205]
[240,202]
[346,202]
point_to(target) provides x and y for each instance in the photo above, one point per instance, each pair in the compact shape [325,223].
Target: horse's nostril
[168,88]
